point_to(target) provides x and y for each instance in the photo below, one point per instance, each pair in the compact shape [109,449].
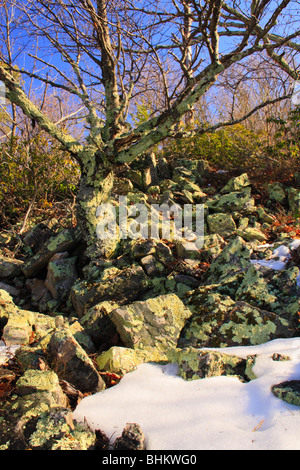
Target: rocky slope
[69,328]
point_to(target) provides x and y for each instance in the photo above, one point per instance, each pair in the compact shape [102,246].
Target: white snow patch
[212,414]
[279,257]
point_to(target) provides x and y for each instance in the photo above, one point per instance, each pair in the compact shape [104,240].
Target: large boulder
[199,364]
[219,321]
[222,224]
[125,284]
[237,183]
[154,323]
[120,360]
[274,290]
[72,363]
[229,268]
[61,275]
[237,201]
[37,417]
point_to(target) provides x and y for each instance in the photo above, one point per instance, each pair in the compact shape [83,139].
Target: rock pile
[78,328]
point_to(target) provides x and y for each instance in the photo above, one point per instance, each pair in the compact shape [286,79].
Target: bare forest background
[247,120]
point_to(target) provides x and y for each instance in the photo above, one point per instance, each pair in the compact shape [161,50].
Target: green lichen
[120,360]
[219,321]
[56,430]
[198,364]
[288,391]
[221,224]
[156,322]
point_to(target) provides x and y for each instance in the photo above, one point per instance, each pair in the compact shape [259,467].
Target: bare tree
[101,51]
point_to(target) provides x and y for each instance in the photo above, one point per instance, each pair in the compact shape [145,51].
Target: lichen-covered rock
[29,357]
[211,247]
[294,201]
[200,364]
[219,321]
[34,381]
[10,267]
[72,363]
[274,290]
[187,249]
[124,284]
[176,283]
[82,337]
[141,248]
[276,193]
[26,327]
[36,392]
[265,216]
[288,391]
[98,325]
[120,360]
[252,233]
[22,326]
[61,275]
[56,430]
[237,183]
[122,186]
[230,267]
[238,201]
[222,224]
[154,323]
[6,306]
[145,170]
[66,240]
[132,438]
[51,429]
[184,181]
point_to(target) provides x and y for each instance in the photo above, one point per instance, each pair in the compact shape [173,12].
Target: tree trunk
[94,190]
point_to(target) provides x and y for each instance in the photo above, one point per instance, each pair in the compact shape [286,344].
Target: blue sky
[32,44]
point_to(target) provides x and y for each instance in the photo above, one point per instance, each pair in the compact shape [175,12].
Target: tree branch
[16,95]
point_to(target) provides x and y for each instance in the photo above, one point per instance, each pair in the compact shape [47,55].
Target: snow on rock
[280,257]
[212,413]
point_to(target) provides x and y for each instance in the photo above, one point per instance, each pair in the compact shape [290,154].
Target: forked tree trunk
[94,189]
